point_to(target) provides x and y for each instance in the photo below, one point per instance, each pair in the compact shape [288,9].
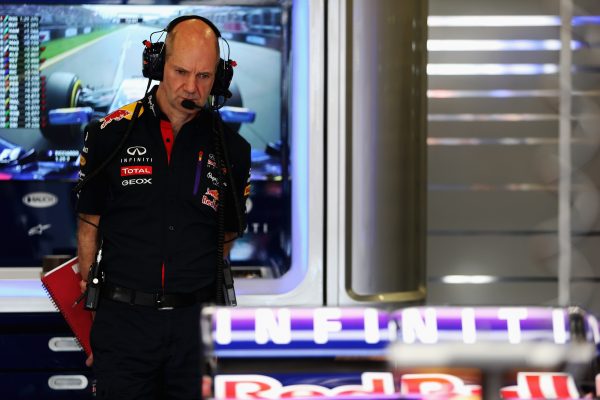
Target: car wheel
[62,91]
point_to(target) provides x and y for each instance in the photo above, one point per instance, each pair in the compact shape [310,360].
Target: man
[153,211]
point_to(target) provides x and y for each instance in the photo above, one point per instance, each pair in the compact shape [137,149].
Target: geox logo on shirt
[138,181]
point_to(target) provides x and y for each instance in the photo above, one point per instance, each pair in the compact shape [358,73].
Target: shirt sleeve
[92,196]
[240,169]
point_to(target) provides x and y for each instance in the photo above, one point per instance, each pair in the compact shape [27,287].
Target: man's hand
[90,360]
[83,285]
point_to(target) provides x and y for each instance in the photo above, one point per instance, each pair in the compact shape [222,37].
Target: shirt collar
[152,104]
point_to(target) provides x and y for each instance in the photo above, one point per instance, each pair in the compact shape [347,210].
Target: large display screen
[66,65]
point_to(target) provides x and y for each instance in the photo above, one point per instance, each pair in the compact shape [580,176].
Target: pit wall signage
[331,332]
[319,333]
[380,385]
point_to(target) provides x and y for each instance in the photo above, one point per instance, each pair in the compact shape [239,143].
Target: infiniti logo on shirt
[136,151]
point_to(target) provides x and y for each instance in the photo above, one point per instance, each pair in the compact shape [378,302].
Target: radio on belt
[94,282]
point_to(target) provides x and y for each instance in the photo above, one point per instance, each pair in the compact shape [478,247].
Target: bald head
[190,69]
[191,33]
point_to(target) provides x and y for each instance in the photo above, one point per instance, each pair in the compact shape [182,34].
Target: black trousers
[144,353]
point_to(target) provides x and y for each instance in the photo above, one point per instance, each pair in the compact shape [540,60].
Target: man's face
[189,72]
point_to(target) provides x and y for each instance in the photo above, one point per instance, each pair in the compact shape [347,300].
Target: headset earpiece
[223,78]
[153,60]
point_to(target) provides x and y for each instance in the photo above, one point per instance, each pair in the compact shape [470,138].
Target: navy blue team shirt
[158,197]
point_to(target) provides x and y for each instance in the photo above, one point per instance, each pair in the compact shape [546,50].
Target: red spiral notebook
[62,284]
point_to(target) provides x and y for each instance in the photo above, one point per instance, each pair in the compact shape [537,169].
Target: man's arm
[88,241]
[241,177]
[229,240]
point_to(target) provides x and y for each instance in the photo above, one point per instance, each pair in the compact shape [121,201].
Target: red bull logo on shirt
[211,198]
[214,193]
[114,116]
[123,112]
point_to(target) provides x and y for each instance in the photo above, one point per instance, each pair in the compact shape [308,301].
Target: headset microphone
[190,105]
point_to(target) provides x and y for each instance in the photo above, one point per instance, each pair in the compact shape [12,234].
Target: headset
[153,60]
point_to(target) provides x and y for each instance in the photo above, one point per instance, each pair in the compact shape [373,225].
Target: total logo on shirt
[136,170]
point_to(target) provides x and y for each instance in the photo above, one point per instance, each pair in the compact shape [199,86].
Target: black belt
[156,300]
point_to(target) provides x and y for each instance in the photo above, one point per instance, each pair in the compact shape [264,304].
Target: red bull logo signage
[339,334]
[376,385]
[265,387]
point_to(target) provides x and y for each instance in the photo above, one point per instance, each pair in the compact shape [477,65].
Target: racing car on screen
[67,107]
[51,153]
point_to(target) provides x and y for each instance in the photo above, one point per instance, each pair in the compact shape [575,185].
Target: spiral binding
[69,322]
